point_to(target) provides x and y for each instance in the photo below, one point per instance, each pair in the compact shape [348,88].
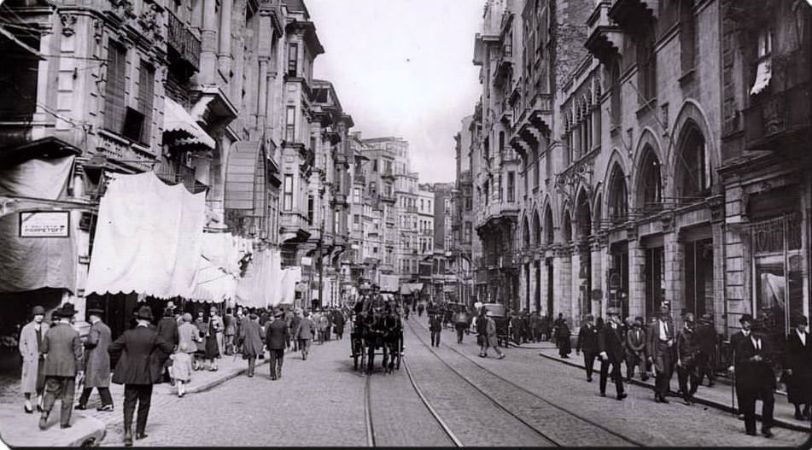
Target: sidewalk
[90,426]
[718,396]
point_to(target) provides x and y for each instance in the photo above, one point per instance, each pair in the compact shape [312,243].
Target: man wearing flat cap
[63,356]
[97,362]
[33,377]
[754,376]
[142,352]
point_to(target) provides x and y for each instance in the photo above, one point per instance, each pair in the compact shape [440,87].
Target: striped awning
[177,120]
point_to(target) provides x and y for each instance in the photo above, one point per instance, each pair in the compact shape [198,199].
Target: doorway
[550,301]
[619,277]
[537,271]
[655,280]
[699,277]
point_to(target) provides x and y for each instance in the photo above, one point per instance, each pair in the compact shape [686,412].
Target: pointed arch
[549,227]
[525,233]
[618,209]
[536,229]
[692,118]
[566,231]
[583,214]
[649,182]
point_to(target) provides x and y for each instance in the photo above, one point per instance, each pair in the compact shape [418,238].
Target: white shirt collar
[802,336]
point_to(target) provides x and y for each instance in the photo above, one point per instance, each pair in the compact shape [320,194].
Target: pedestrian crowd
[57,360]
[659,349]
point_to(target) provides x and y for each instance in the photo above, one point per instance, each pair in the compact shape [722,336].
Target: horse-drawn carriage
[376,330]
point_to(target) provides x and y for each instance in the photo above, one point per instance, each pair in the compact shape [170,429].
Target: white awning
[177,119]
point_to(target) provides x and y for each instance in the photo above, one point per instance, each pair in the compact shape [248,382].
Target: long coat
[64,349]
[143,354]
[97,359]
[610,340]
[587,340]
[276,334]
[251,338]
[752,374]
[799,360]
[658,349]
[306,329]
[188,334]
[30,351]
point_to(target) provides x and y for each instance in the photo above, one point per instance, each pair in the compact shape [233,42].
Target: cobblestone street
[322,402]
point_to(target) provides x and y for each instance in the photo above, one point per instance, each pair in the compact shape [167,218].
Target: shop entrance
[655,280]
[537,271]
[619,276]
[699,277]
[778,275]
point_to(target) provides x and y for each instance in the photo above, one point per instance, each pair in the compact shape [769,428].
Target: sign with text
[307,261]
[45,224]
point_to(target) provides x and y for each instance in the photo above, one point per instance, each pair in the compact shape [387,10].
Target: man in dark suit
[588,341]
[754,376]
[660,351]
[63,356]
[276,334]
[610,346]
[168,330]
[636,350]
[97,362]
[687,356]
[142,353]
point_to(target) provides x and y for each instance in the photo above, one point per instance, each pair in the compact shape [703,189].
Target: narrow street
[322,402]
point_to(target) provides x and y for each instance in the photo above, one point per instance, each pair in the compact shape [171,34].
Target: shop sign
[44,224]
[307,261]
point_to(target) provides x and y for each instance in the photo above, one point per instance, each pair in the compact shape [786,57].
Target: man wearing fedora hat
[754,377]
[142,352]
[33,377]
[63,356]
[276,333]
[97,361]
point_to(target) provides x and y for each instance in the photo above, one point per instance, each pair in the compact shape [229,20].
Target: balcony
[388,199]
[181,40]
[496,212]
[340,199]
[388,174]
[605,38]
[411,209]
[360,179]
[780,120]
[633,15]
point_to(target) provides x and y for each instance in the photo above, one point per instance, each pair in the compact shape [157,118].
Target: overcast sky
[403,68]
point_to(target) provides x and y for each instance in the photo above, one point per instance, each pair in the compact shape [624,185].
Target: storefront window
[778,275]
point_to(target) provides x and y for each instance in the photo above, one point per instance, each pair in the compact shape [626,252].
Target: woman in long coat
[33,380]
[212,345]
[251,341]
[799,368]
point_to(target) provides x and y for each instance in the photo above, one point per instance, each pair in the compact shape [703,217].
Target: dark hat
[144,312]
[589,318]
[746,318]
[67,311]
[612,312]
[95,311]
[799,320]
[707,317]
[38,310]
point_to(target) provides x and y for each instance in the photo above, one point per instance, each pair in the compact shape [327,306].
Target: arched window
[583,217]
[650,189]
[548,226]
[567,227]
[693,165]
[536,229]
[618,203]
[526,233]
[597,216]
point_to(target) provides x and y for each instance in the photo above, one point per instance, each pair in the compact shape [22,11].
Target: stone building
[462,210]
[215,95]
[649,172]
[765,165]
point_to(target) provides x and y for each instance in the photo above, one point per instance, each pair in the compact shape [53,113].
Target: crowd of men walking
[56,358]
[691,351]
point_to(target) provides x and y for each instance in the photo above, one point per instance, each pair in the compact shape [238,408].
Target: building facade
[643,173]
